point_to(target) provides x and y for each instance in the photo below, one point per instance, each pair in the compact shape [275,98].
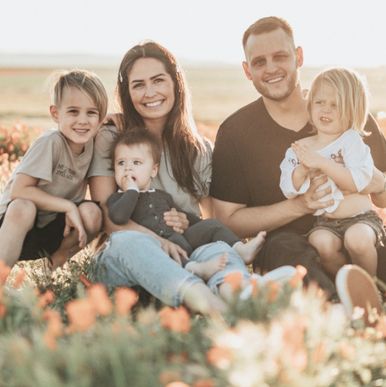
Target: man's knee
[21,212]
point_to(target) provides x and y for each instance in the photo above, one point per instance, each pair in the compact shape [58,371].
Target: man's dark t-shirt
[248,151]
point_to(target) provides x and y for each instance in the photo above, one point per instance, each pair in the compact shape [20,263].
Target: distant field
[216,93]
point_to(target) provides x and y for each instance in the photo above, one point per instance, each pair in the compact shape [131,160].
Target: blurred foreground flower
[176,320]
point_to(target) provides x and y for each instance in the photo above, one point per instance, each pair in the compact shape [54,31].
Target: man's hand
[173,250]
[177,220]
[308,157]
[311,199]
[74,221]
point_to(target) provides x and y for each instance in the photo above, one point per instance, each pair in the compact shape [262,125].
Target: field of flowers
[58,329]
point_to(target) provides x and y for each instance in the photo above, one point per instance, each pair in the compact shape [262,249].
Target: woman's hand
[114,118]
[177,220]
[173,250]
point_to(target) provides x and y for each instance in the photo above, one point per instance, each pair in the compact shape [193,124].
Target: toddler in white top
[338,108]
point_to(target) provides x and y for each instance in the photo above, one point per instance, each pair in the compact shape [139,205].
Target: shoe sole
[356,288]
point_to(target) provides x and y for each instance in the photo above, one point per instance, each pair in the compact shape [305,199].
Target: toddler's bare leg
[207,269]
[249,250]
[329,247]
[359,241]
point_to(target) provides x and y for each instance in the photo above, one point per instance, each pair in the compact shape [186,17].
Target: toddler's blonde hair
[351,96]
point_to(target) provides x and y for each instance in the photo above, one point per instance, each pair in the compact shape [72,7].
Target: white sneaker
[281,274]
[356,289]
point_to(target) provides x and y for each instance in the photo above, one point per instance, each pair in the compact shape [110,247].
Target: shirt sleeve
[40,159]
[357,159]
[287,167]
[121,205]
[101,162]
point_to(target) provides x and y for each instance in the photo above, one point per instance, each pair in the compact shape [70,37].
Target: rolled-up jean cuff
[234,263]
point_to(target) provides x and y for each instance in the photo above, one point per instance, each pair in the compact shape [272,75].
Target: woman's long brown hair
[179,135]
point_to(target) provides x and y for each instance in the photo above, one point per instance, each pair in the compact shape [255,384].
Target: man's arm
[248,221]
[379,199]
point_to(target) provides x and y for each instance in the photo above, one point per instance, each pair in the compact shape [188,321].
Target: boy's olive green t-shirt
[60,172]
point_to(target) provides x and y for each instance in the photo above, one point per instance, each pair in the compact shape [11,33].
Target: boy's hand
[173,250]
[177,220]
[308,157]
[74,221]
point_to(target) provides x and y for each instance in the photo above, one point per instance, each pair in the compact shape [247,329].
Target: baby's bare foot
[207,269]
[249,250]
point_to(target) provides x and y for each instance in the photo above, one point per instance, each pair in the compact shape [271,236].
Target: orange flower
[101,302]
[219,356]
[125,299]
[255,289]
[319,353]
[54,328]
[273,291]
[176,320]
[46,298]
[177,358]
[297,279]
[381,326]
[85,281]
[19,279]
[81,315]
[204,383]
[234,280]
[168,376]
[3,310]
[4,272]
[177,384]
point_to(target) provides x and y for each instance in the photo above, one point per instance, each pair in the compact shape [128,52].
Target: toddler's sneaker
[356,289]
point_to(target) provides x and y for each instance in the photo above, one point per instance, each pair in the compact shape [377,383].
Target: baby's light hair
[84,80]
[352,96]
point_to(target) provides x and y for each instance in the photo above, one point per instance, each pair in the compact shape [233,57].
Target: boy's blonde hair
[87,82]
[351,96]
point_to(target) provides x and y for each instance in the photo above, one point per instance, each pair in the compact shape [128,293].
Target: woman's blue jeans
[132,258]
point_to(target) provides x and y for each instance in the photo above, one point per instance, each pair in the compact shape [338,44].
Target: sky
[331,32]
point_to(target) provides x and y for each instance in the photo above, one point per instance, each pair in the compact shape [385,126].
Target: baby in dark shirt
[136,156]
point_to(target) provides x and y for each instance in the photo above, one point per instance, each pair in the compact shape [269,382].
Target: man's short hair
[268,24]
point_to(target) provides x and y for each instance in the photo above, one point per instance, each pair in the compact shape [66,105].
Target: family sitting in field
[293,175]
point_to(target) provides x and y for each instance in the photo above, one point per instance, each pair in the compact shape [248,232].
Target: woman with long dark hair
[152,94]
